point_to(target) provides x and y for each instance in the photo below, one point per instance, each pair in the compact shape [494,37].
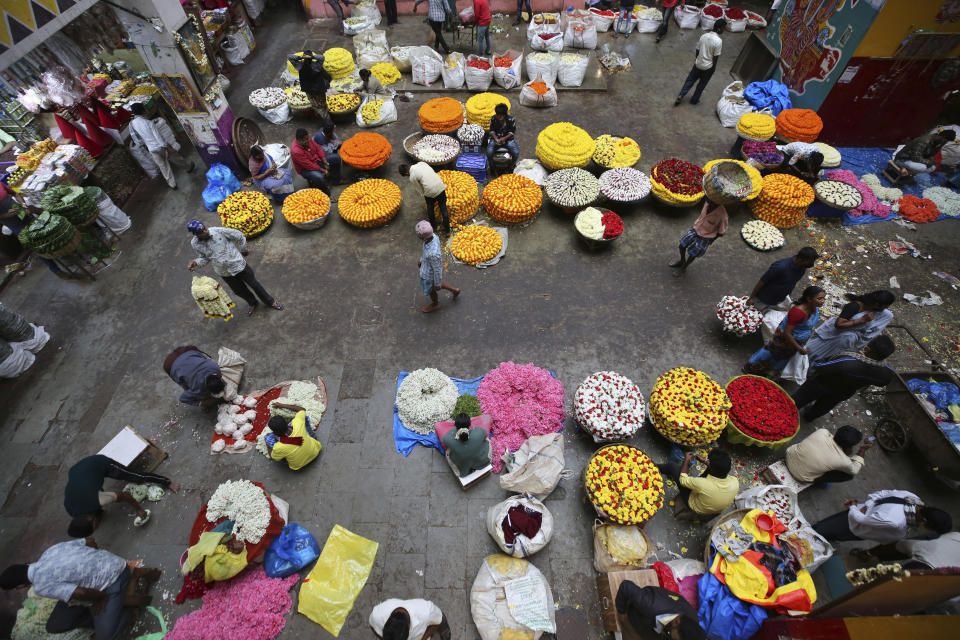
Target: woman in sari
[859,322]
[277,182]
[791,335]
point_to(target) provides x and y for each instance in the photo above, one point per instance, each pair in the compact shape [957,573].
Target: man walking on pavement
[667,7]
[431,267]
[158,138]
[708,52]
[226,248]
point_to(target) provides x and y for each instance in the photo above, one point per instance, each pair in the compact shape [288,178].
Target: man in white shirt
[886,516]
[416,619]
[708,52]
[432,188]
[158,138]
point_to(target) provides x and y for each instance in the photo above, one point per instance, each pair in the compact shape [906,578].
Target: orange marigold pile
[783,201]
[799,125]
[365,150]
[512,198]
[441,115]
[369,203]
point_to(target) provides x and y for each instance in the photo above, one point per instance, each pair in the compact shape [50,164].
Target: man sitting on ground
[296,443]
[919,155]
[416,619]
[655,612]
[706,495]
[310,161]
[503,134]
[199,376]
[823,458]
[468,449]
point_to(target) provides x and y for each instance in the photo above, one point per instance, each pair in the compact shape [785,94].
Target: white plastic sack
[535,468]
[548,21]
[771,320]
[452,71]
[600,22]
[401,58]
[538,173]
[37,342]
[366,9]
[356,27]
[580,32]
[279,153]
[17,362]
[426,67]
[530,98]
[509,77]
[111,215]
[706,21]
[467,14]
[478,79]
[235,49]
[554,43]
[732,104]
[522,546]
[388,113]
[278,114]
[371,48]
[756,498]
[571,72]
[488,599]
[797,369]
[736,26]
[231,366]
[687,17]
[547,70]
[648,25]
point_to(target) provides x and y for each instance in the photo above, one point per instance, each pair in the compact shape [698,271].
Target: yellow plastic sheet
[223,565]
[342,569]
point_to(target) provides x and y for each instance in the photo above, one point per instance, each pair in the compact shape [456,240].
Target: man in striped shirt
[437,12]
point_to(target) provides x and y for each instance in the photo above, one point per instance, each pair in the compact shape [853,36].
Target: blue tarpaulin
[769,94]
[405,439]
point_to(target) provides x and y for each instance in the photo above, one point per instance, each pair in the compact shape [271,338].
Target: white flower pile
[235,419]
[609,406]
[425,397]
[738,317]
[301,394]
[624,184]
[589,222]
[268,97]
[838,194]
[245,504]
[887,195]
[947,200]
[572,187]
[470,134]
[436,148]
[762,235]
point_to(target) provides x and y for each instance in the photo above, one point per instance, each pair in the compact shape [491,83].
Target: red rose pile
[612,225]
[762,410]
[713,10]
[479,63]
[503,61]
[680,176]
[735,13]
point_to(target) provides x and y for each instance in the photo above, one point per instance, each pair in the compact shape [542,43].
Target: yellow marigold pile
[441,115]
[385,72]
[755,178]
[371,111]
[512,198]
[612,152]
[305,205]
[624,483]
[369,203]
[480,108]
[343,102]
[689,407]
[476,243]
[338,62]
[783,201]
[757,126]
[463,195]
[563,145]
[247,211]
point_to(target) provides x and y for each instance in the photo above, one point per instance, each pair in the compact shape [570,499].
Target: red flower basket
[763,414]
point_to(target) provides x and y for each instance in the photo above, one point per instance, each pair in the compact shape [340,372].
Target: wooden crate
[608,584]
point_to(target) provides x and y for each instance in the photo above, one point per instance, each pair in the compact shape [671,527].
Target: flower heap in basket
[385,72]
[783,201]
[425,397]
[476,243]
[436,149]
[268,98]
[365,150]
[623,484]
[799,125]
[441,115]
[611,152]
[677,182]
[756,179]
[471,134]
[512,198]
[572,188]
[479,63]
[338,62]
[689,407]
[562,145]
[463,195]
[738,317]
[343,102]
[247,211]
[369,203]
[305,205]
[624,184]
[609,406]
[480,108]
[762,235]
[370,112]
[761,410]
[838,195]
[756,126]
[764,152]
[595,224]
[297,99]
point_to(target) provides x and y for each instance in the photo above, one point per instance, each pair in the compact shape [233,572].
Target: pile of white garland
[425,397]
[245,504]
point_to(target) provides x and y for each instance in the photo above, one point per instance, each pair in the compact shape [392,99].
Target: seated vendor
[296,443]
[823,457]
[503,134]
[919,155]
[416,619]
[655,612]
[803,160]
[371,86]
[706,495]
[330,143]
[468,449]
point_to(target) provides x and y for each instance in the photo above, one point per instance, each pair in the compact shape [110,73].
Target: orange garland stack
[783,201]
[441,115]
[369,203]
[463,195]
[365,150]
[799,125]
[512,198]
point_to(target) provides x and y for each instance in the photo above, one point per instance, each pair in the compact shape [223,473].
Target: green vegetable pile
[47,234]
[73,203]
[467,404]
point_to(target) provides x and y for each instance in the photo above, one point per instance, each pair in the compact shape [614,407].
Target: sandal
[276,305]
[140,521]
[250,310]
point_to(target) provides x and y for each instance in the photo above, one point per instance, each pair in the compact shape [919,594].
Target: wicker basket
[600,512]
[735,436]
[760,165]
[736,514]
[411,140]
[827,203]
[678,205]
[732,173]
[66,249]
[310,225]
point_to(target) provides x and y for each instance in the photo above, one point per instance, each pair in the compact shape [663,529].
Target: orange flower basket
[369,203]
[783,201]
[799,125]
[441,115]
[365,150]
[512,198]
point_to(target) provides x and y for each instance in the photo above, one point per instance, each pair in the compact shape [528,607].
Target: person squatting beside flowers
[711,224]
[310,161]
[295,442]
[431,267]
[706,495]
[823,457]
[432,188]
[790,337]
[503,134]
[708,52]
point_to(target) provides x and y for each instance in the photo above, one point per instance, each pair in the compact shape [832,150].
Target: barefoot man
[431,267]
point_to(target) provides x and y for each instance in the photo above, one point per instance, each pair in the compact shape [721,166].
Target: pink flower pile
[871,206]
[523,400]
[250,606]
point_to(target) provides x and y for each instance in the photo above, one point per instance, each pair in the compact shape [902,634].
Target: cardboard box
[608,584]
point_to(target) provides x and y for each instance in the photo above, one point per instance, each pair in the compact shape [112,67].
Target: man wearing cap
[225,248]
[431,267]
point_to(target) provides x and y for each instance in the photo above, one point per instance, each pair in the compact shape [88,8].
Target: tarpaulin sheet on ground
[404,438]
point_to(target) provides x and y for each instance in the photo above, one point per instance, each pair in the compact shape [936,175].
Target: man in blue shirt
[198,374]
[773,289]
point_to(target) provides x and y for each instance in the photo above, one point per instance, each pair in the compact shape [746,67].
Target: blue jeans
[110,621]
[629,16]
[520,4]
[662,31]
[512,148]
[483,34]
[316,180]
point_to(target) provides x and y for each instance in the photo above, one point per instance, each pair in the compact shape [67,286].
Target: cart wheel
[891,436]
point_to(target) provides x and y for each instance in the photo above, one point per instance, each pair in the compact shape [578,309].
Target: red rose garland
[612,225]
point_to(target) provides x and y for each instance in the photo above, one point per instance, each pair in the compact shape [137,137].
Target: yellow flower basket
[563,145]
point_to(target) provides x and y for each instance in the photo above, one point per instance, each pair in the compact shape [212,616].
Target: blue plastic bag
[291,551]
[220,183]
[769,94]
[722,615]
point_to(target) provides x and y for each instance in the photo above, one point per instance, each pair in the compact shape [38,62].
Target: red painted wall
[885,103]
[320,9]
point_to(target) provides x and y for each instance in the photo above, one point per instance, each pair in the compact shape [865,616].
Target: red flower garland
[612,225]
[918,209]
[679,176]
[479,63]
[761,409]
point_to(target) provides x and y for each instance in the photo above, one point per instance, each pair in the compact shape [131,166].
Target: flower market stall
[476,244]
[512,198]
[623,484]
[611,152]
[480,108]
[247,211]
[762,414]
[688,407]
[625,185]
[563,145]
[572,189]
[783,201]
[441,115]
[598,227]
[365,150]
[609,406]
[370,203]
[307,208]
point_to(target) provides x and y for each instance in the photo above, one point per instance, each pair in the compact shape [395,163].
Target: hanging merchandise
[91,147]
[94,131]
[67,130]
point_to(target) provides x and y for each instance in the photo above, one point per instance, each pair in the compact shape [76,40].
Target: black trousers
[438,41]
[245,281]
[119,472]
[736,151]
[441,202]
[662,31]
[65,617]
[834,476]
[699,76]
[391,8]
[822,397]
[672,470]
[836,527]
[335,5]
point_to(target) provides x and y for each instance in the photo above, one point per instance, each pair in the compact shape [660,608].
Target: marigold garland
[365,150]
[756,126]
[918,209]
[783,201]
[624,483]
[385,72]
[563,145]
[369,203]
[463,195]
[799,125]
[612,152]
[480,108]
[305,205]
[755,178]
[689,407]
[343,102]
[512,198]
[246,211]
[476,243]
[338,62]
[441,115]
